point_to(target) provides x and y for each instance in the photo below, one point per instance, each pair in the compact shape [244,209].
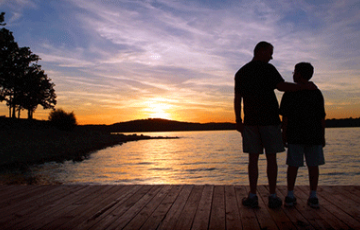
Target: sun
[158,109]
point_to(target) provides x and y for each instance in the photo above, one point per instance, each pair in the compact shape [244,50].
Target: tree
[37,89]
[62,120]
[2,19]
[23,85]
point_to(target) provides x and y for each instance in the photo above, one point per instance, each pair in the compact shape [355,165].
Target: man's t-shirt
[304,110]
[256,82]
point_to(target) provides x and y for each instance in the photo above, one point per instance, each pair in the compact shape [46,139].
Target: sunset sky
[121,60]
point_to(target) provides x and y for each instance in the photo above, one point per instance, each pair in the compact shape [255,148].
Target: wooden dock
[171,207]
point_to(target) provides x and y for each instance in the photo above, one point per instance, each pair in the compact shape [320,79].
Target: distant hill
[154,125]
[157,125]
[345,122]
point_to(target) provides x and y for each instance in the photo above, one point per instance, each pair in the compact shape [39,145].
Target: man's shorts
[314,155]
[258,138]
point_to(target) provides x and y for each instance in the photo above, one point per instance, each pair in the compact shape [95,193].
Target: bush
[62,120]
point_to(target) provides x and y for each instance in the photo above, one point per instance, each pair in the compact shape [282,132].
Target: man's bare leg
[272,171]
[253,171]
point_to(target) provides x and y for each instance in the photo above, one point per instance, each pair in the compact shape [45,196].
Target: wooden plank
[217,217]
[233,220]
[293,214]
[39,206]
[173,215]
[47,214]
[174,206]
[113,214]
[102,217]
[341,201]
[263,216]
[350,192]
[187,215]
[337,214]
[83,209]
[11,190]
[20,196]
[124,219]
[159,214]
[202,216]
[148,210]
[14,205]
[247,215]
[309,213]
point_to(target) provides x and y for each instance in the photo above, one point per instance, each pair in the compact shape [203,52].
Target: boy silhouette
[303,132]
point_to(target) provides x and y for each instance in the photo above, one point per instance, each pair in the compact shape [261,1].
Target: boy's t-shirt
[304,110]
[256,82]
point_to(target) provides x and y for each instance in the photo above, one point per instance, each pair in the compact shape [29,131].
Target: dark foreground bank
[24,143]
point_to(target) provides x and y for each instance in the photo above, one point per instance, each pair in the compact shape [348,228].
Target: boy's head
[303,71]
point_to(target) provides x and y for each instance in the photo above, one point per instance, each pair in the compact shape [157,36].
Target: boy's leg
[313,177]
[314,157]
[294,161]
[290,199]
[291,177]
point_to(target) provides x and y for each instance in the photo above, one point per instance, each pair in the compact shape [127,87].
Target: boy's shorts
[258,138]
[314,155]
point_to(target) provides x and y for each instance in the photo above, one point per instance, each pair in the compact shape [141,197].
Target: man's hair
[305,69]
[261,46]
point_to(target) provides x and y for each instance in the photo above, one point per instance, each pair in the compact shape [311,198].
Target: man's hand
[284,139]
[309,86]
[240,127]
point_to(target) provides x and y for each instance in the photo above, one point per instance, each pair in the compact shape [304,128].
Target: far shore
[25,143]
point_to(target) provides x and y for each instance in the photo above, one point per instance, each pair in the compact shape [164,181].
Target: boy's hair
[262,45]
[305,69]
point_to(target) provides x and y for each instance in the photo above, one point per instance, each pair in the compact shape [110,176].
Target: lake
[200,157]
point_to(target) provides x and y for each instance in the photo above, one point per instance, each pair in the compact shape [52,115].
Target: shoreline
[30,143]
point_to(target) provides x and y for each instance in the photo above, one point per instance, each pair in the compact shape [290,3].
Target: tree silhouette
[62,120]
[37,89]
[23,85]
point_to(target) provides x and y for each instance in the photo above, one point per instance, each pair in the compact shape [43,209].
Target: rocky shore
[24,143]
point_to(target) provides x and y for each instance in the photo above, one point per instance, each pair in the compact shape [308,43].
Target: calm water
[206,157]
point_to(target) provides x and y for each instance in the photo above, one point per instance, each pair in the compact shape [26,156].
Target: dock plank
[171,207]
[247,215]
[202,216]
[217,218]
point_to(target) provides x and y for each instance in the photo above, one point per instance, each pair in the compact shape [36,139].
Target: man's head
[303,72]
[263,51]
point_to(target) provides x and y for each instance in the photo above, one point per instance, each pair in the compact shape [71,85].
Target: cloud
[186,52]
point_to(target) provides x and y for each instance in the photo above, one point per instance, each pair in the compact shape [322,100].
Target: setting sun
[158,108]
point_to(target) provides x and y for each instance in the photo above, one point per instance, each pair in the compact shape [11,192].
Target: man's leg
[253,171]
[272,171]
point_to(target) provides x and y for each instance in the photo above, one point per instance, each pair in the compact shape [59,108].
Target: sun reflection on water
[200,158]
